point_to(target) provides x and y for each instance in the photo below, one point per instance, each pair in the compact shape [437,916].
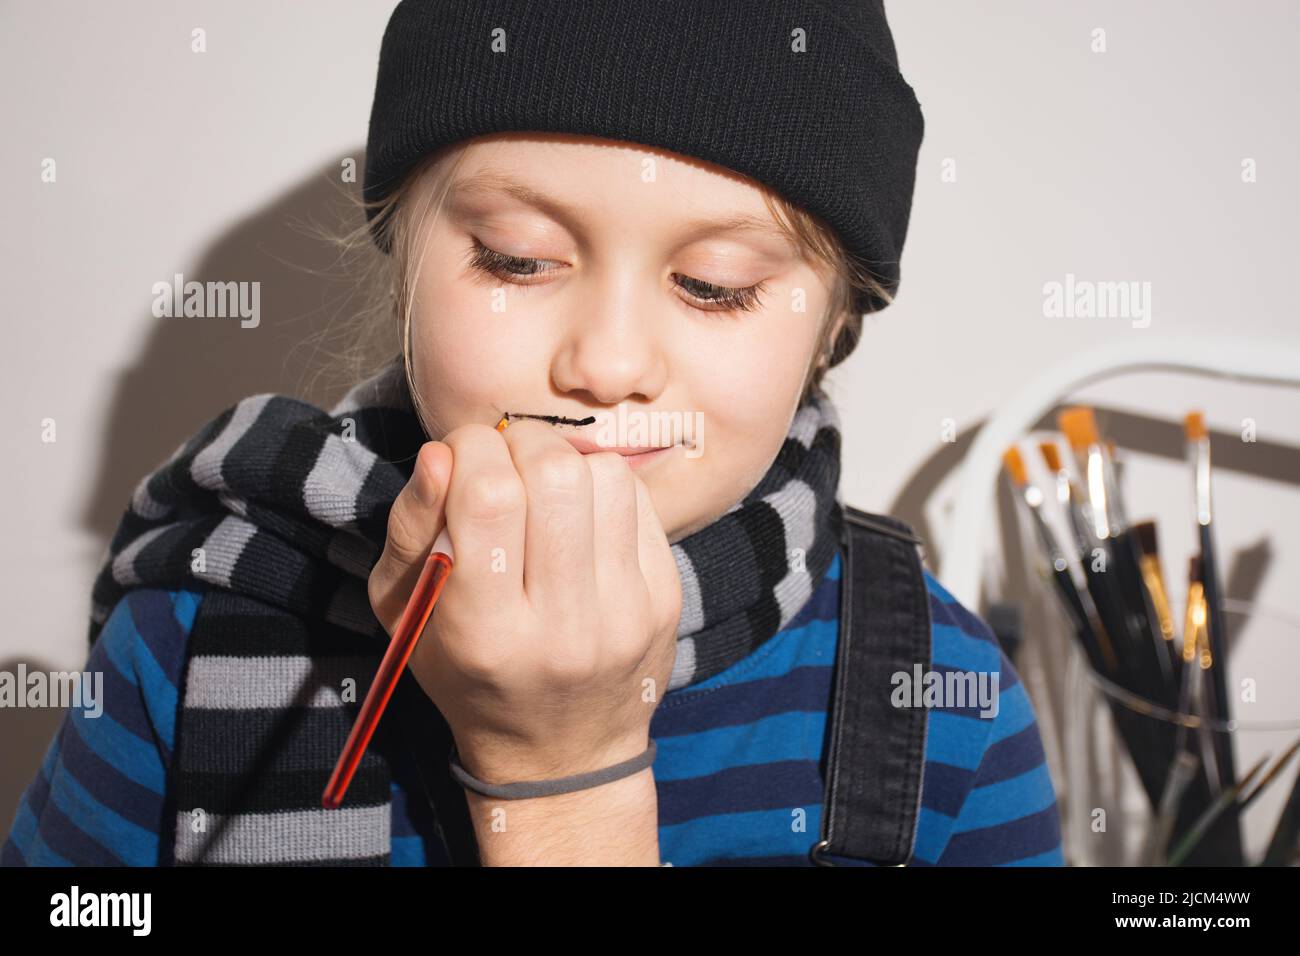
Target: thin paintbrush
[1286,835]
[1122,599]
[1154,673]
[1181,775]
[1224,806]
[1196,654]
[1187,774]
[1142,737]
[1221,845]
[1071,501]
[1273,773]
[1096,558]
[1153,576]
[419,606]
[1198,449]
[1077,605]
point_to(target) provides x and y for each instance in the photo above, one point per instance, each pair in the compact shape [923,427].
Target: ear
[837,326]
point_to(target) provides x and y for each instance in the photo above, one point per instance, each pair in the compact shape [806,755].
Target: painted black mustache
[554,419]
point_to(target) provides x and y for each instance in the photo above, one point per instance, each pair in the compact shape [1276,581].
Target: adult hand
[555,634]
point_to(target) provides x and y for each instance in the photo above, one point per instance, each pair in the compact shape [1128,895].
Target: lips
[587,447]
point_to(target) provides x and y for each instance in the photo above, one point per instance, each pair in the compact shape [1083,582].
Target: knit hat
[804,96]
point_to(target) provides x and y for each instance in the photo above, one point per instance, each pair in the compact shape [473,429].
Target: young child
[619,227]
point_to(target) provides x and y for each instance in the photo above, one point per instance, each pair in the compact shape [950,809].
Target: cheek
[768,350]
[748,387]
[751,374]
[466,356]
[746,418]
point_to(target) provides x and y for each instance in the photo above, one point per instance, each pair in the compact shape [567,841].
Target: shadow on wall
[192,368]
[28,733]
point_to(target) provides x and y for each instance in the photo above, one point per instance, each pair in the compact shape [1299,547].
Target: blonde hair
[394,277]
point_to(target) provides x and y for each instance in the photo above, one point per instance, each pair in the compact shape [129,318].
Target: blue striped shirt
[737,770]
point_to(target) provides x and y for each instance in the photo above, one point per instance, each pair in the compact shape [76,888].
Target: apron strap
[876,762]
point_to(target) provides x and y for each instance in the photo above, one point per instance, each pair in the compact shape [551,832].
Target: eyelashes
[730,299]
[502,266]
[703,295]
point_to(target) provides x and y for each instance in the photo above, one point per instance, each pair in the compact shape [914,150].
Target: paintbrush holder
[1130,798]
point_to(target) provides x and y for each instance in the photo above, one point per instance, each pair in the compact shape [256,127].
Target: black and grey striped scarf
[277,510]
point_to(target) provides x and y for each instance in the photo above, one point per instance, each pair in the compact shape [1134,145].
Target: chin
[691,527]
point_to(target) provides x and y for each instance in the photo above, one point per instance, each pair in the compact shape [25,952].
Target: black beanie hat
[804,97]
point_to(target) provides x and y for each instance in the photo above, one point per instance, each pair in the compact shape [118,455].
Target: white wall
[1123,165]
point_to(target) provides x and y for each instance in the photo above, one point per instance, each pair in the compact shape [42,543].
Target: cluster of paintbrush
[1168,695]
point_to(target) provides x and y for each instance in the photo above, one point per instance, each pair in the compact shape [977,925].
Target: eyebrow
[489,181]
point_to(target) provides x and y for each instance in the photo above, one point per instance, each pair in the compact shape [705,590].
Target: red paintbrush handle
[416,614]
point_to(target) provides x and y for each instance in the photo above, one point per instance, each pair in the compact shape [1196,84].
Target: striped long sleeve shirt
[738,771]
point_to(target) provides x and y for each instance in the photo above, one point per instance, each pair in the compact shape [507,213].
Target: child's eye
[714,298]
[720,298]
[502,266]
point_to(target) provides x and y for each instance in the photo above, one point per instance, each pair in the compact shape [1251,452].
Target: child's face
[618,308]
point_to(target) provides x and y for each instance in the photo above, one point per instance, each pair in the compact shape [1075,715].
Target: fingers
[558,540]
[413,522]
[486,508]
[615,507]
[525,500]
[658,566]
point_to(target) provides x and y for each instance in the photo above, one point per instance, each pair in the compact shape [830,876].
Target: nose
[612,352]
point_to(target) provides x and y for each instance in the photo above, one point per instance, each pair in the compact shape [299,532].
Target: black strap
[876,759]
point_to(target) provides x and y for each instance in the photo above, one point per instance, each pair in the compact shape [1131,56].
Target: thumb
[416,518]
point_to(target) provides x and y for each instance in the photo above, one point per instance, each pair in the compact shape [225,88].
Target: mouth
[637,456]
[589,447]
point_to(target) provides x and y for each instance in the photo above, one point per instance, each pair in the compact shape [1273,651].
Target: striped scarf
[277,510]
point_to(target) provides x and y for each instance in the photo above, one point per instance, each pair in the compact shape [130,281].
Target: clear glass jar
[1108,814]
